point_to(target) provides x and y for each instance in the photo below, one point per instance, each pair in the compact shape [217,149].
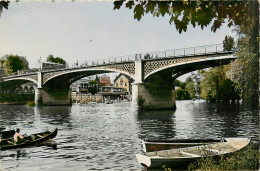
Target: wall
[42,97]
[84,98]
[123,82]
[147,100]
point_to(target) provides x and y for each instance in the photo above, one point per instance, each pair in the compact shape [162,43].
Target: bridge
[153,73]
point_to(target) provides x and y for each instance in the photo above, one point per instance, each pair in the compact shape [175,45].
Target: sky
[81,31]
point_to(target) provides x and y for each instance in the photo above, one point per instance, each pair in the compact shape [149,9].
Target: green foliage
[10,86]
[93,82]
[216,86]
[196,13]
[182,94]
[190,87]
[92,90]
[176,83]
[93,87]
[246,159]
[186,89]
[13,64]
[30,104]
[244,71]
[19,98]
[58,60]
[228,43]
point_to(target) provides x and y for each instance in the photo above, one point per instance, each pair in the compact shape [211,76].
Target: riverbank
[16,99]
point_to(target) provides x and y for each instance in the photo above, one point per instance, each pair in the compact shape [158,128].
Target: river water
[107,136]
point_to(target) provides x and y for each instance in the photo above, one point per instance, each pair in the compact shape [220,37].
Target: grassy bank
[247,159]
[16,98]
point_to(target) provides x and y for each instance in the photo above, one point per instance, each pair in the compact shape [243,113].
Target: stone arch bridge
[153,74]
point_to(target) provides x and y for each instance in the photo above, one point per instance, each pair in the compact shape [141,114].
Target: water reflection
[156,124]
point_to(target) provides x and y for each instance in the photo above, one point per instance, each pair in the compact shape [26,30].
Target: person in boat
[17,135]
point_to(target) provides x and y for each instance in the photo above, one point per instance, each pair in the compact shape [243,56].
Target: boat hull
[28,141]
[182,157]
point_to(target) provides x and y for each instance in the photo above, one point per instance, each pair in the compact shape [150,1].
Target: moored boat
[27,141]
[184,156]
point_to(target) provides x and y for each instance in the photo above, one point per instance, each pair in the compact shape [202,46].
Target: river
[107,136]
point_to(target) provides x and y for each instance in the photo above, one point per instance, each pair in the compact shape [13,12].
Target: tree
[196,13]
[244,71]
[182,94]
[13,64]
[93,87]
[228,43]
[190,87]
[58,60]
[216,86]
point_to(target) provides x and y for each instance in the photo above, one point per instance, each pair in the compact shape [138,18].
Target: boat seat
[10,142]
[151,154]
[214,150]
[189,154]
[40,136]
[163,154]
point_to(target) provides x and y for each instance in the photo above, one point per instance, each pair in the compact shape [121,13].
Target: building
[84,86]
[104,80]
[123,81]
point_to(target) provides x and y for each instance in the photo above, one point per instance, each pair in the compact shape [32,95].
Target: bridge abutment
[159,98]
[45,98]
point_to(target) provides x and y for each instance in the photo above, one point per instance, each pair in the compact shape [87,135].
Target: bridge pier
[158,99]
[45,98]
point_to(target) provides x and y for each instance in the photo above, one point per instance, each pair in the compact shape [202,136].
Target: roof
[4,58]
[127,77]
[104,76]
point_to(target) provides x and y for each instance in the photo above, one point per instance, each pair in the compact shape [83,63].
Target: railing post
[216,48]
[184,52]
[194,51]
[174,53]
[165,54]
[205,50]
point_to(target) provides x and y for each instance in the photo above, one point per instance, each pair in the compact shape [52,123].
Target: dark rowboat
[153,145]
[27,141]
[184,156]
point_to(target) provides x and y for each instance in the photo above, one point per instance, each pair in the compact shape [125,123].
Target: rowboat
[155,145]
[27,141]
[184,156]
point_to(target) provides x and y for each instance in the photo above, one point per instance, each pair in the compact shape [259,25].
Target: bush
[31,104]
[246,159]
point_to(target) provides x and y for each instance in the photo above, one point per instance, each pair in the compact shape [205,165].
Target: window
[125,84]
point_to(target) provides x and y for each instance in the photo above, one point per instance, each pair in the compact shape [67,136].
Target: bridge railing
[191,51]
[199,50]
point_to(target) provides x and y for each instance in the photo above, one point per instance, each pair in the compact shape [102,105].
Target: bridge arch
[80,73]
[21,78]
[184,67]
